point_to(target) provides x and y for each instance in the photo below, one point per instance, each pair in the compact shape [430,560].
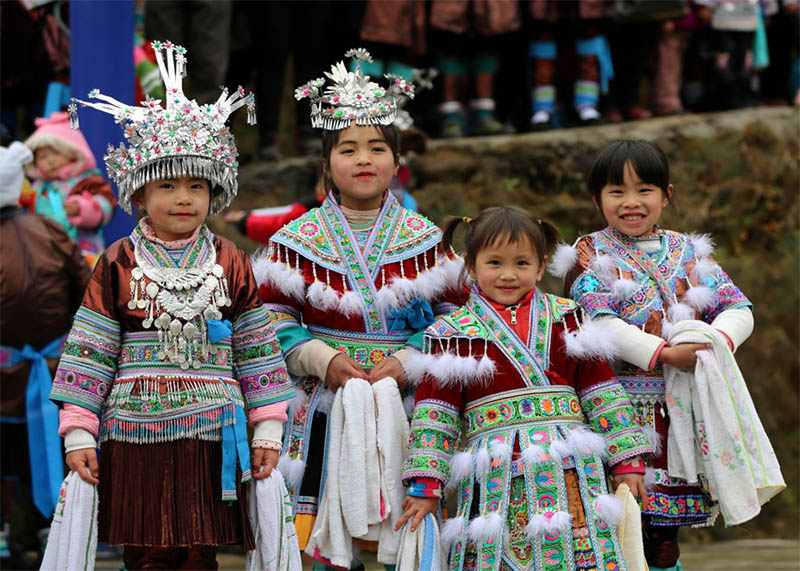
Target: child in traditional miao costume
[171,342]
[353,283]
[519,376]
[638,280]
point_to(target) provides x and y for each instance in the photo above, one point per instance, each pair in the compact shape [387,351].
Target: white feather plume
[319,296]
[702,244]
[597,341]
[563,260]
[537,526]
[442,369]
[297,400]
[704,269]
[573,344]
[624,288]
[416,366]
[292,470]
[586,442]
[293,284]
[649,478]
[482,463]
[666,328]
[431,283]
[560,449]
[460,468]
[603,266]
[699,297]
[500,451]
[486,369]
[465,368]
[452,271]
[609,508]
[386,299]
[653,438]
[535,454]
[350,304]
[452,530]
[404,289]
[325,401]
[560,521]
[485,527]
[680,312]
[262,267]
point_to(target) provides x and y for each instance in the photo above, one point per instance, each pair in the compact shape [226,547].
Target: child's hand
[72,209]
[417,508]
[635,483]
[341,369]
[682,356]
[78,460]
[264,461]
[389,367]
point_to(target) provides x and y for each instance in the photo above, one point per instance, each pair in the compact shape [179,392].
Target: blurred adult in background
[42,278]
[203,27]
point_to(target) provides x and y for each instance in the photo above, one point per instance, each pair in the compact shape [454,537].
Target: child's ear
[138,199]
[668,195]
[596,204]
[542,267]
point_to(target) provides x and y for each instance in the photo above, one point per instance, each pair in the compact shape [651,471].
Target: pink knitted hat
[55,132]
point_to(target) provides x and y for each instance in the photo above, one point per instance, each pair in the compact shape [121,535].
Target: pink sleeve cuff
[630,466]
[274,411]
[74,416]
[656,355]
[90,215]
[727,339]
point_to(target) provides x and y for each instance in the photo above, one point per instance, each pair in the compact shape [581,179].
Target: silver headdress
[353,97]
[183,139]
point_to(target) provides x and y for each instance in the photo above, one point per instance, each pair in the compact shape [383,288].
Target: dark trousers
[195,557]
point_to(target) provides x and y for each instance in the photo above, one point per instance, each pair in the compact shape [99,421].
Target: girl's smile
[506,272]
[362,166]
[176,207]
[633,207]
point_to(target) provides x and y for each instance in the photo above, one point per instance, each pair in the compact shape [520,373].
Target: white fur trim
[483,462]
[442,367]
[563,260]
[485,527]
[260,262]
[325,401]
[573,344]
[486,368]
[288,281]
[535,454]
[704,268]
[452,268]
[451,370]
[609,508]
[453,530]
[500,451]
[460,468]
[586,442]
[560,521]
[702,244]
[322,296]
[387,299]
[431,283]
[603,265]
[350,304]
[699,297]
[292,470]
[536,526]
[593,340]
[666,328]
[548,521]
[624,288]
[297,400]
[415,367]
[654,439]
[409,404]
[404,289]
[680,312]
[560,449]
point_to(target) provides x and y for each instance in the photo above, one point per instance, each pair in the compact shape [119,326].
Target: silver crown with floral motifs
[184,138]
[353,97]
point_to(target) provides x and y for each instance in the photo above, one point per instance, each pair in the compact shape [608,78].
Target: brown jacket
[42,279]
[475,17]
[395,22]
[553,10]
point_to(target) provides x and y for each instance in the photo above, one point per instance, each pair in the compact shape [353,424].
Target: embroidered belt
[366,349]
[523,406]
[643,386]
[139,356]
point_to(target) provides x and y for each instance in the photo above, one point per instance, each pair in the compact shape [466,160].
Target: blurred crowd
[491,66]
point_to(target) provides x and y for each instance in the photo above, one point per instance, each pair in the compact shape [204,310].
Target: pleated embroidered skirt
[168,494]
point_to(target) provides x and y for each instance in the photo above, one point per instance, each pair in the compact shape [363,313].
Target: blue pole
[102,56]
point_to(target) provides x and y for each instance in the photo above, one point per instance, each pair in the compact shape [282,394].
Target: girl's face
[362,166]
[506,272]
[50,162]
[633,207]
[176,206]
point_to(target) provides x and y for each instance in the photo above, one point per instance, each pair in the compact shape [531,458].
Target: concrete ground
[739,555]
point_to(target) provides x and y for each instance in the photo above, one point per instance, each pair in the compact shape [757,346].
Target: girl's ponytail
[451,223]
[550,234]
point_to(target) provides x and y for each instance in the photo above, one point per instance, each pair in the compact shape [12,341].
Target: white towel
[393,431]
[629,530]
[273,525]
[421,549]
[363,494]
[731,450]
[72,543]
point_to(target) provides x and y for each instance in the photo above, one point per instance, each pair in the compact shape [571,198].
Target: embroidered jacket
[359,292]
[502,379]
[114,363]
[614,277]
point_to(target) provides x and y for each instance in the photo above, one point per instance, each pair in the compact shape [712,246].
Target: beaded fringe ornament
[353,97]
[183,139]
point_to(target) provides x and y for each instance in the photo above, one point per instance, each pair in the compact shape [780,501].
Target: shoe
[636,112]
[588,115]
[542,121]
[452,127]
[613,115]
[487,125]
